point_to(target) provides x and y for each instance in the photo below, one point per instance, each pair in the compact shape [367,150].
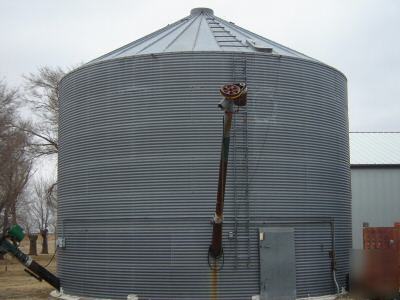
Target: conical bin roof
[201,31]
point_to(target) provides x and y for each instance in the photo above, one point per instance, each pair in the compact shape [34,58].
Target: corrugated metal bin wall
[138,165]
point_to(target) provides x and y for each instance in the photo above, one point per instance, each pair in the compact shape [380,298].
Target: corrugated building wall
[375,181]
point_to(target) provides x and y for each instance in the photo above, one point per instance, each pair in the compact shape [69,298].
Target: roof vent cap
[199,10]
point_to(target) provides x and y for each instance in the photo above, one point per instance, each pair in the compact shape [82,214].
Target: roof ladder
[223,37]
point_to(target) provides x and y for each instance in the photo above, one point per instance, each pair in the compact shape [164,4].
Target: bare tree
[26,220]
[8,105]
[16,171]
[42,95]
[43,209]
[15,162]
[20,142]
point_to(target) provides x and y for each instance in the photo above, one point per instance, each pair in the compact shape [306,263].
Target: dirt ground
[15,284]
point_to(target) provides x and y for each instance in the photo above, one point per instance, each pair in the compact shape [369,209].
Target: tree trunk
[5,220]
[5,225]
[45,247]
[13,213]
[32,244]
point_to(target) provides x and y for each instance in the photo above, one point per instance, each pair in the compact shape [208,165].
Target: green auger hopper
[16,233]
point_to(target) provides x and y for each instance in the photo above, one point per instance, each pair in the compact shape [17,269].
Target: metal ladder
[240,170]
[223,37]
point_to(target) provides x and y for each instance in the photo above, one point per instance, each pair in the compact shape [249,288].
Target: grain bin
[138,165]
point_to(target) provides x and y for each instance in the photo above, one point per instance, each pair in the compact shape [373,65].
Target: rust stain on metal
[381,270]
[214,282]
[236,92]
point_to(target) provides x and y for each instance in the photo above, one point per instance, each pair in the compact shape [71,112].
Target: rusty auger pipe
[216,243]
[235,95]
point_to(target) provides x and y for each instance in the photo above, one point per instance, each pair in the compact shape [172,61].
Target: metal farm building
[375,181]
[139,149]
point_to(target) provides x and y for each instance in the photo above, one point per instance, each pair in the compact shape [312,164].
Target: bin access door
[277,263]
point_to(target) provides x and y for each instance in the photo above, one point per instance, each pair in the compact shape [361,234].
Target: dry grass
[15,284]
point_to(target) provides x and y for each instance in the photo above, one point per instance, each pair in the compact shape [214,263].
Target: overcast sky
[360,38]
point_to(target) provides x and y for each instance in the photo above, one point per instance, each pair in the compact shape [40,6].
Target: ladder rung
[234,40]
[234,46]
[239,128]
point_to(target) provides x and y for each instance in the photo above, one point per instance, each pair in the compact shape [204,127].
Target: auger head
[234,95]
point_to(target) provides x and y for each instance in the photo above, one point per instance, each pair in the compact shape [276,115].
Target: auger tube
[235,95]
[9,244]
